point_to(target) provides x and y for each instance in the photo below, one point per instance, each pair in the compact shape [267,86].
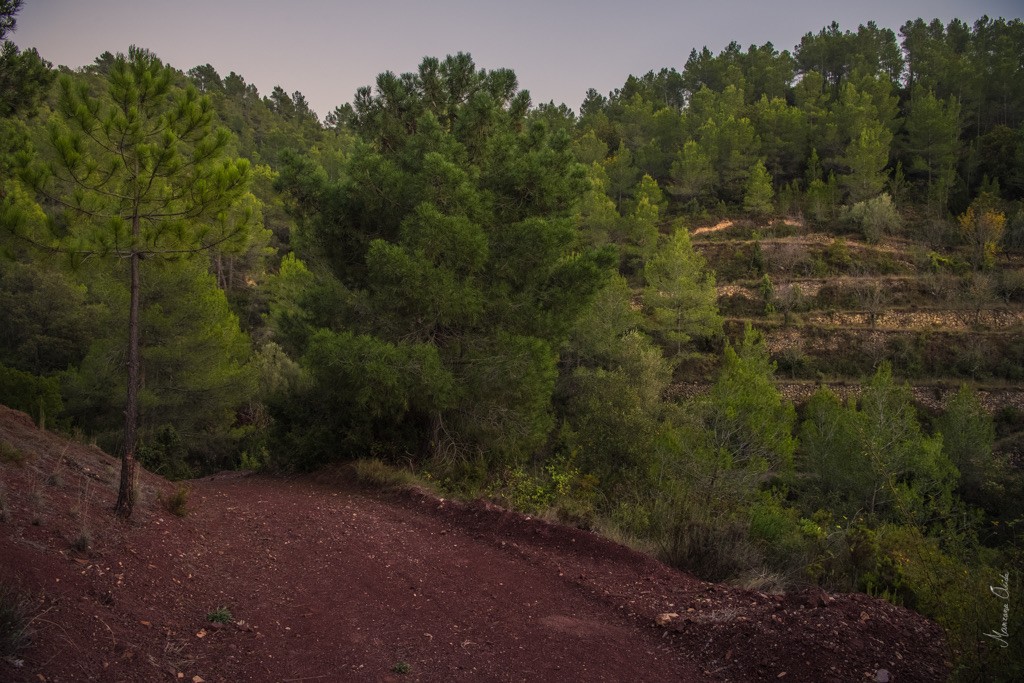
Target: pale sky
[558,48]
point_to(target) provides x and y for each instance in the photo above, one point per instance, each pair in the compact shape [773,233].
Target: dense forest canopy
[511,299]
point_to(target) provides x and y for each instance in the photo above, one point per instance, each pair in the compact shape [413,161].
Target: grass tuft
[10,454]
[376,474]
[177,502]
[15,633]
[81,542]
[221,615]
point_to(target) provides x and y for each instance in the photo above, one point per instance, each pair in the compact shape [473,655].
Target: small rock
[665,618]
[865,617]
[882,676]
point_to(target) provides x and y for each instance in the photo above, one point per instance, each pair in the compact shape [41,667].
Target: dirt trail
[328,583]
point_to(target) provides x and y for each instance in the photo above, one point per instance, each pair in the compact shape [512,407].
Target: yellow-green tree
[982,226]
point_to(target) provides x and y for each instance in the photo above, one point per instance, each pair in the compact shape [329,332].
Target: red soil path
[325,582]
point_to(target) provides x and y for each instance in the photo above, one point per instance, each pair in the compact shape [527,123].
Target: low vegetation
[15,621]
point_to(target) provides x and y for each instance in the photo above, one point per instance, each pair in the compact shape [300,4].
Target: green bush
[875,217]
[165,454]
[784,539]
[966,597]
[32,394]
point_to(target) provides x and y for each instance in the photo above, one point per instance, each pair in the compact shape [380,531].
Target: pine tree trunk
[126,493]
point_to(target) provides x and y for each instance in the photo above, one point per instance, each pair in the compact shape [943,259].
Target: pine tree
[867,156]
[681,292]
[139,172]
[932,142]
[757,200]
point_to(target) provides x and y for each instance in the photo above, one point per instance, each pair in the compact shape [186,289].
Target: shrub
[712,547]
[37,396]
[177,502]
[837,256]
[166,454]
[965,597]
[780,535]
[875,217]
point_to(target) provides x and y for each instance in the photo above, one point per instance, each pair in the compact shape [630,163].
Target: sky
[326,49]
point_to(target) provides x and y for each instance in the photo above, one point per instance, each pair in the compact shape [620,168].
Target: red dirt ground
[325,582]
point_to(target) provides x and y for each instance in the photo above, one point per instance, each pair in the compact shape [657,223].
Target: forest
[667,316]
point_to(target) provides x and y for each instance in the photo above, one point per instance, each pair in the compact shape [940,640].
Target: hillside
[327,582]
[833,306]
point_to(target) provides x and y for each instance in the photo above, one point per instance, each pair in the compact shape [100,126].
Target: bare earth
[325,582]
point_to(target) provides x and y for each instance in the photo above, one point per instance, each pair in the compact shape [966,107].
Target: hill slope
[325,582]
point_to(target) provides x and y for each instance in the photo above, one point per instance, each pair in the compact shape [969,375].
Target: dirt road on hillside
[325,582]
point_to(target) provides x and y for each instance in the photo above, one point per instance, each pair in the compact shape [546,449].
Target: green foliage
[967,598]
[933,128]
[698,496]
[681,292]
[24,76]
[875,217]
[135,168]
[49,318]
[144,133]
[622,173]
[196,362]
[360,389]
[221,615]
[968,433]
[867,156]
[785,540]
[166,454]
[873,459]
[744,413]
[457,289]
[614,408]
[822,199]
[38,396]
[982,225]
[692,173]
[757,200]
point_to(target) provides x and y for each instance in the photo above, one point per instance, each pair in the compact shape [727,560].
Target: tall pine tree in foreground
[136,169]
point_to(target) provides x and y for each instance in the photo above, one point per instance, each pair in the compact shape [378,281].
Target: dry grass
[11,455]
[177,502]
[376,474]
[15,622]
